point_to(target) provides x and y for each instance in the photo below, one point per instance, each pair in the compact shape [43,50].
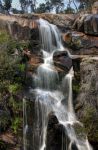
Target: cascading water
[49,95]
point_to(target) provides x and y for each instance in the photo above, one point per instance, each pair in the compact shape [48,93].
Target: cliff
[21,32]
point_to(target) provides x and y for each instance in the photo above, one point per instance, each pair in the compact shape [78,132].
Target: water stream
[49,95]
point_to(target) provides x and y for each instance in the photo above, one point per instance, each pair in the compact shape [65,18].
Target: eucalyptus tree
[7,5]
[44,7]
[85,4]
[26,4]
[23,4]
[57,4]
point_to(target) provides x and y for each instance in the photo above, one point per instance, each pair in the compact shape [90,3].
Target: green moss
[76,88]
[14,88]
[16,124]
[21,67]
[15,44]
[4,36]
[15,104]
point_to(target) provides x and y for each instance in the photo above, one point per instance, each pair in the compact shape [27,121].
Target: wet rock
[34,62]
[62,60]
[56,139]
[63,21]
[74,147]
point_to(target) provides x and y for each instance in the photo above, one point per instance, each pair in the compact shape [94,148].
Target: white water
[49,94]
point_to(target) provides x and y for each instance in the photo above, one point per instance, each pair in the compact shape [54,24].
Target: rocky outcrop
[80,43]
[87,23]
[86,104]
[62,61]
[21,26]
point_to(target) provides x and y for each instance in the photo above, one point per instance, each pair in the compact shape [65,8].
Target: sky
[15,3]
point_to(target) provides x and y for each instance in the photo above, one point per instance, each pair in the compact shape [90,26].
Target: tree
[7,5]
[69,5]
[58,4]
[41,8]
[23,4]
[16,11]
[1,7]
[32,4]
[85,4]
[48,6]
[69,10]
[44,7]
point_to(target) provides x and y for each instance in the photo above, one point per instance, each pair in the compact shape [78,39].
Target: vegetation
[91,123]
[60,6]
[12,82]
[85,4]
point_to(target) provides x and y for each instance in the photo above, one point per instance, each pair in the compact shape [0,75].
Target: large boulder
[62,61]
[87,23]
[80,43]
[56,138]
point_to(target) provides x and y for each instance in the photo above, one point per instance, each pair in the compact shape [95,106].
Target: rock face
[95,8]
[87,23]
[21,26]
[80,43]
[87,100]
[18,27]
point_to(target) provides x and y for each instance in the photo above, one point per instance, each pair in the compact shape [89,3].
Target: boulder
[87,23]
[19,27]
[62,61]
[56,138]
[80,43]
[91,24]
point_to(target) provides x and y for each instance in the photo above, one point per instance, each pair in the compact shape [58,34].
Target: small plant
[15,124]
[21,67]
[14,88]
[4,36]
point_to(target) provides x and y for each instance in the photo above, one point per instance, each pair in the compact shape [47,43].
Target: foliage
[90,121]
[69,10]
[44,7]
[41,8]
[76,88]
[25,4]
[16,124]
[58,4]
[3,146]
[13,88]
[4,37]
[4,120]
[85,4]
[16,11]
[7,4]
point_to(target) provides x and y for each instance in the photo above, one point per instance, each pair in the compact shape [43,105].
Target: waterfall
[50,92]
